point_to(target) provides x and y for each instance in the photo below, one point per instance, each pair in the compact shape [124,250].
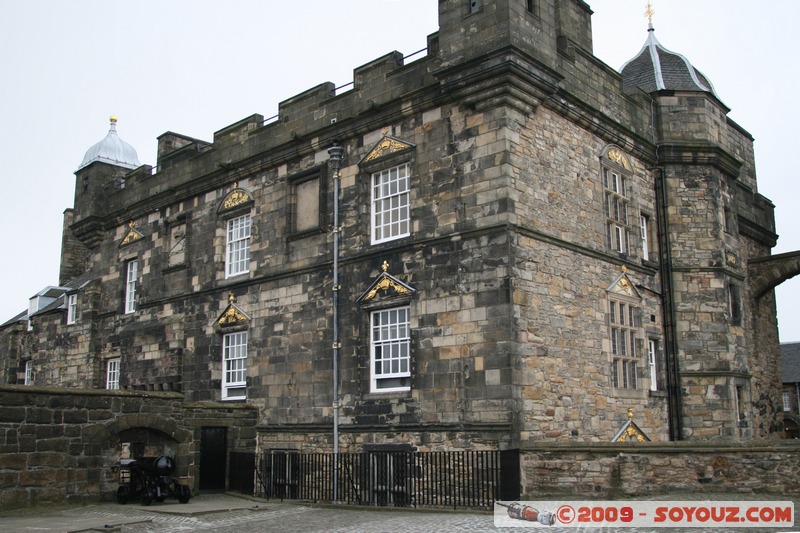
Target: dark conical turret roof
[655,68]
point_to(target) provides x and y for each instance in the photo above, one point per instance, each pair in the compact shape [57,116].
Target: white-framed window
[652,359]
[72,308]
[237,253]
[616,207]
[234,366]
[787,402]
[390,350]
[623,329]
[29,372]
[391,196]
[112,374]
[644,229]
[131,276]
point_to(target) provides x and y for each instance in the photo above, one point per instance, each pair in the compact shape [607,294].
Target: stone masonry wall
[60,445]
[609,471]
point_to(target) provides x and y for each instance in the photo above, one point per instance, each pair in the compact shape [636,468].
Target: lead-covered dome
[112,150]
[655,68]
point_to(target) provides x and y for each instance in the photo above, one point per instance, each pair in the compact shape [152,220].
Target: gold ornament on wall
[385,282]
[235,198]
[386,146]
[133,234]
[617,156]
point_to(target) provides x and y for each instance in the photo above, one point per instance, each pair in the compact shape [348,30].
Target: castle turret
[103,167]
[713,222]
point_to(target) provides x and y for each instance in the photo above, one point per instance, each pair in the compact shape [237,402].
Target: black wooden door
[213,458]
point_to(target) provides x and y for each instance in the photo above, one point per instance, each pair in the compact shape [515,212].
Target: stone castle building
[503,242]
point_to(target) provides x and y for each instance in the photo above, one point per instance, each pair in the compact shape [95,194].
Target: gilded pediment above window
[385,286]
[618,157]
[622,286]
[387,146]
[236,198]
[630,432]
[232,316]
[131,236]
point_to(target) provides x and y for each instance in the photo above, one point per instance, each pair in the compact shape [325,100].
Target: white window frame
[391,203]
[652,360]
[112,373]
[29,372]
[390,334]
[234,365]
[644,227]
[237,248]
[72,308]
[787,401]
[131,276]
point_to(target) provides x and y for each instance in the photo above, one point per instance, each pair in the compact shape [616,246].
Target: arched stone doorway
[137,436]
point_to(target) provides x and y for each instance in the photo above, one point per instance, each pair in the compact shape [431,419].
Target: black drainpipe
[674,403]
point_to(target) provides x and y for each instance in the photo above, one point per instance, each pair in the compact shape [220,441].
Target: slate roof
[54,292]
[68,288]
[655,68]
[22,316]
[790,362]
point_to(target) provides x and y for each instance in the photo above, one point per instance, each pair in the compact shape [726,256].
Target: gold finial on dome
[113,119]
[649,12]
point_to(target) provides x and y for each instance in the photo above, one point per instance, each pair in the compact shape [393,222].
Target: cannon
[150,478]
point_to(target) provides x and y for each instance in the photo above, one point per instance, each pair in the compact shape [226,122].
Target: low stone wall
[608,471]
[61,445]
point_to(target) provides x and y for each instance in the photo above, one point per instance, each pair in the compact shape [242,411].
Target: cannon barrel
[161,465]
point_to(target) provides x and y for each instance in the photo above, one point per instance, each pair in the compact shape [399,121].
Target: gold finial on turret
[649,12]
[113,119]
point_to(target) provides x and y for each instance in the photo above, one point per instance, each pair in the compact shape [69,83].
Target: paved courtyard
[226,513]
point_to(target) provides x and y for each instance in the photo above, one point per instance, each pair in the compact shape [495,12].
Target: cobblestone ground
[313,520]
[269,517]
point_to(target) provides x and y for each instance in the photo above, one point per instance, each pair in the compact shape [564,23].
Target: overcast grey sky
[194,67]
